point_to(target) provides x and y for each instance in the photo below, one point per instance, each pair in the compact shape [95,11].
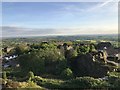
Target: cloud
[8,31]
[108,3]
[103,4]
[18,31]
[98,5]
[73,9]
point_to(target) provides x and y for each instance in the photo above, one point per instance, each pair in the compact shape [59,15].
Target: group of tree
[56,59]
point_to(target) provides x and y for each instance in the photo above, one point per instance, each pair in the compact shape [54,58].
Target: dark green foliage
[77,83]
[83,49]
[48,83]
[47,46]
[46,60]
[67,73]
[60,67]
[43,45]
[71,53]
[114,80]
[86,82]
[92,48]
[32,62]
[43,60]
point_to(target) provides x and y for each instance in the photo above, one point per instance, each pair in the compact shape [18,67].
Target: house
[112,53]
[6,65]
[10,57]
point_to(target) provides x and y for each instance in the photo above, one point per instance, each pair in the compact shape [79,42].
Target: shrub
[4,75]
[86,82]
[77,83]
[114,80]
[61,66]
[21,85]
[30,76]
[67,74]
[48,83]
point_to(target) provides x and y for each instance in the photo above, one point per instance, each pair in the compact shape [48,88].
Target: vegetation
[60,62]
[4,75]
[67,73]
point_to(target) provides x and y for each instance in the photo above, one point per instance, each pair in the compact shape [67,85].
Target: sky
[59,18]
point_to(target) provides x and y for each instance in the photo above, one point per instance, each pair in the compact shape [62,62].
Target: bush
[30,76]
[61,66]
[114,80]
[48,83]
[20,85]
[77,83]
[4,75]
[67,74]
[86,82]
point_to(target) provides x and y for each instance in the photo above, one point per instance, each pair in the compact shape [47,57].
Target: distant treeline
[110,37]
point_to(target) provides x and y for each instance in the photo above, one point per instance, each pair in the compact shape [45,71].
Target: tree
[21,49]
[48,60]
[71,53]
[92,48]
[12,51]
[48,46]
[32,62]
[83,49]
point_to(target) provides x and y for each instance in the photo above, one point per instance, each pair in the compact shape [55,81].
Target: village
[105,52]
